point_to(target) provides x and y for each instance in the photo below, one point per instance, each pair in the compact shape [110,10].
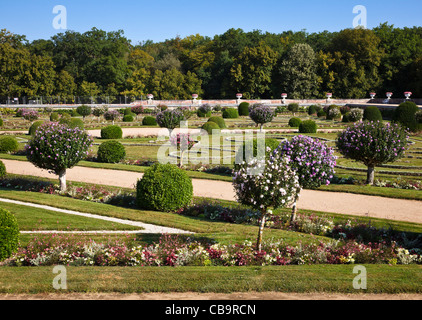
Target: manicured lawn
[30,219]
[316,278]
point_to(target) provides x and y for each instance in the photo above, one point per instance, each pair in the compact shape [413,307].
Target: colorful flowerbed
[175,251]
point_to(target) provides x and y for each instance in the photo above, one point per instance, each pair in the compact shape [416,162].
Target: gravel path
[146,228]
[335,202]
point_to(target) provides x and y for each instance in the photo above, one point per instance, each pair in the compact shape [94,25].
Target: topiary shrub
[34,127]
[211,127]
[170,119]
[54,116]
[333,112]
[243,109]
[164,187]
[372,114]
[2,170]
[56,147]
[149,121]
[219,121]
[346,118]
[111,132]
[294,122]
[111,152]
[308,126]
[1,122]
[405,114]
[204,111]
[262,115]
[8,144]
[128,118]
[312,110]
[9,234]
[293,107]
[373,144]
[111,115]
[355,115]
[344,110]
[84,110]
[230,113]
[321,114]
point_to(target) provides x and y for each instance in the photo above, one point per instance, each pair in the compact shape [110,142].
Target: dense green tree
[298,72]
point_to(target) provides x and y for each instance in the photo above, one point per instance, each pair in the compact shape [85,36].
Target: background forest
[349,63]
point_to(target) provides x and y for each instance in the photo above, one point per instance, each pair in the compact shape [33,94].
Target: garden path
[333,202]
[146,228]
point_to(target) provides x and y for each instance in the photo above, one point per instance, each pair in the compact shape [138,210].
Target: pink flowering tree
[56,147]
[373,144]
[313,161]
[183,142]
[264,184]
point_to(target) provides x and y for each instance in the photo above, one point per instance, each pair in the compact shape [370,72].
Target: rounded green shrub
[34,127]
[111,132]
[293,107]
[230,113]
[1,122]
[9,234]
[54,116]
[149,121]
[294,122]
[308,126]
[372,114]
[211,127]
[8,144]
[2,170]
[111,152]
[243,109]
[321,114]
[201,114]
[164,187]
[219,121]
[128,118]
[312,110]
[346,117]
[72,122]
[333,112]
[83,110]
[405,114]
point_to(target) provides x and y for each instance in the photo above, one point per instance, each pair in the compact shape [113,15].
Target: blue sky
[158,20]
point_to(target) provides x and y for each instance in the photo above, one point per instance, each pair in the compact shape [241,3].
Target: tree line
[260,65]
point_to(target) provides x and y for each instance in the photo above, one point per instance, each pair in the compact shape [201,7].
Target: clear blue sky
[158,20]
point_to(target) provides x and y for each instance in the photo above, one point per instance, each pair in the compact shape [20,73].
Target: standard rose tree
[262,115]
[313,161]
[170,119]
[56,147]
[264,184]
[373,144]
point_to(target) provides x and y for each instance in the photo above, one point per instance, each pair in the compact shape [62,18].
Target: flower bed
[176,251]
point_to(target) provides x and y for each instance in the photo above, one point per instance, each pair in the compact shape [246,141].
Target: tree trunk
[170,131]
[294,208]
[181,158]
[261,230]
[262,126]
[62,179]
[370,175]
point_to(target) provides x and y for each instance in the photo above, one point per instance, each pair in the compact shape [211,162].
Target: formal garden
[258,240]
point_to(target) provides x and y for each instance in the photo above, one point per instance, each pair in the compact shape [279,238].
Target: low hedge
[308,126]
[2,170]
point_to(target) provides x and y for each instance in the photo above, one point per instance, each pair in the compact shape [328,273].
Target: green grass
[30,218]
[301,279]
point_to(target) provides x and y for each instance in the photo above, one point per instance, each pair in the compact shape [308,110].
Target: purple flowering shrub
[312,160]
[261,115]
[373,144]
[170,119]
[56,147]
[30,115]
